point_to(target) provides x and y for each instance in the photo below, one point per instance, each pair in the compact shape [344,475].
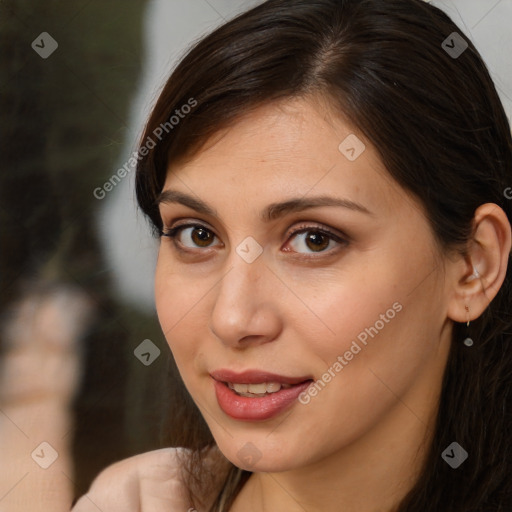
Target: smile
[255,390]
[260,405]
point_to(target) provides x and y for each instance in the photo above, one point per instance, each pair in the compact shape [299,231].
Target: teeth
[261,389]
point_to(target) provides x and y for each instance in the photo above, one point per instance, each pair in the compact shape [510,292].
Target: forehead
[289,148]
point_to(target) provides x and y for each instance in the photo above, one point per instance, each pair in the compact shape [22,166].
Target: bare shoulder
[142,483]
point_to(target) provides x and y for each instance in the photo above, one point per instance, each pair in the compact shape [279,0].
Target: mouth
[256,395]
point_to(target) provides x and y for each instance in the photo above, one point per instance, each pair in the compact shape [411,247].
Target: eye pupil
[202,235]
[317,238]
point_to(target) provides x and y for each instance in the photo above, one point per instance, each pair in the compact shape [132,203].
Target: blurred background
[84,368]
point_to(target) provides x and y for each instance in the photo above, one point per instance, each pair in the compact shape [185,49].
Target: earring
[474,275]
[468,341]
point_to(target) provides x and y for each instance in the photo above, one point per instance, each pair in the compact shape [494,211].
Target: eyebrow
[272,212]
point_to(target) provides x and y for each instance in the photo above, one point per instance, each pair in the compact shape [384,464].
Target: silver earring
[468,341]
[474,275]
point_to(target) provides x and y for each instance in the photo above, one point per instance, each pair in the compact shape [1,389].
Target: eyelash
[173,233]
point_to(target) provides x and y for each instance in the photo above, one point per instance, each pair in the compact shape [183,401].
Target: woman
[329,181]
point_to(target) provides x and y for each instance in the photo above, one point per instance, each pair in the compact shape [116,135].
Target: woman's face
[361,312]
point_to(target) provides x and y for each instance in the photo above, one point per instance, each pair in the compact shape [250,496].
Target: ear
[488,254]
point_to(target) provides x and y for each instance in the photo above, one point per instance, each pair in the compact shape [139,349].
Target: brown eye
[314,240]
[202,237]
[317,241]
[197,235]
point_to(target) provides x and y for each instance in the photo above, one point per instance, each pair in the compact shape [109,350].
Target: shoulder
[148,482]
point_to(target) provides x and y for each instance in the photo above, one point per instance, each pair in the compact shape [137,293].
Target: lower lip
[258,408]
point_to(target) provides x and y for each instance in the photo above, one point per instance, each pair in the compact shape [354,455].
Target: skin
[361,440]
[270,314]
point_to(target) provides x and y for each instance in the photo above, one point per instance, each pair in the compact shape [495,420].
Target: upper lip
[254,377]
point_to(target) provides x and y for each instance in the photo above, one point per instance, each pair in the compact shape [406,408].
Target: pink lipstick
[255,395]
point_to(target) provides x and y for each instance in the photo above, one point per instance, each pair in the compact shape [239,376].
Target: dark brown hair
[440,129]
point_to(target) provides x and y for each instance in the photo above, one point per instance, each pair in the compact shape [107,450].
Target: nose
[246,309]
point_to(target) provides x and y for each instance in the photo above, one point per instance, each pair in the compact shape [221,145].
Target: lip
[258,408]
[255,377]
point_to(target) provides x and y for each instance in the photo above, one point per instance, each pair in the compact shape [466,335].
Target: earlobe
[479,277]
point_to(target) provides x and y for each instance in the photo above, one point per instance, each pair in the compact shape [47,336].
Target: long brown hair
[439,127]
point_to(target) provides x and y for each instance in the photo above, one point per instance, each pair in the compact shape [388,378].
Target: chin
[260,454]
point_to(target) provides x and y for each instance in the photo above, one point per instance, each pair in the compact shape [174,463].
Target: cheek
[346,305]
[374,322]
[178,304]
[362,370]
[360,327]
